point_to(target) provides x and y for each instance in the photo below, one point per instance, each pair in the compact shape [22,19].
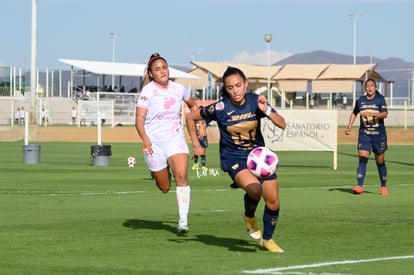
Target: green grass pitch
[66,216]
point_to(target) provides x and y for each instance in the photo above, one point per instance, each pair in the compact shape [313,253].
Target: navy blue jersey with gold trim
[371,128]
[239,126]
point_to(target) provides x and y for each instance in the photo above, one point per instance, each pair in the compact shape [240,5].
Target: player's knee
[380,164]
[363,159]
[163,182]
[254,190]
[180,176]
[163,188]
[273,205]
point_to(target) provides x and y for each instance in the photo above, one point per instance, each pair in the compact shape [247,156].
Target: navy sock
[203,160]
[250,206]
[382,172]
[270,218]
[361,170]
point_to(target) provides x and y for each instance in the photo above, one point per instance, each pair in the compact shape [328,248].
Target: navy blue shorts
[232,167]
[378,147]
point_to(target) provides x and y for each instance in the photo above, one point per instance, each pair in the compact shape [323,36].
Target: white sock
[183,201]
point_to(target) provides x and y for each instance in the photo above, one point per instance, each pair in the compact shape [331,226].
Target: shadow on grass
[232,244]
[305,166]
[372,160]
[347,190]
[153,225]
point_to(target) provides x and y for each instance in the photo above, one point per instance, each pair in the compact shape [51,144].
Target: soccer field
[66,216]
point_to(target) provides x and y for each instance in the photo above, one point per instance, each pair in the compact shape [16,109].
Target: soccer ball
[131,162]
[262,162]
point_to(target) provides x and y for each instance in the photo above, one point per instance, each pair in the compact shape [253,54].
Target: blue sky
[216,30]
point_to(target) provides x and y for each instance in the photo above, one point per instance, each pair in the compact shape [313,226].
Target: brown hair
[375,84]
[155,56]
[229,71]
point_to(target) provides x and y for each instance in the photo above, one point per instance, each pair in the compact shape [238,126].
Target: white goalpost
[94,113]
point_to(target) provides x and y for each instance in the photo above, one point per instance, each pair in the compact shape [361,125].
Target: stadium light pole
[113,36]
[194,52]
[33,64]
[354,17]
[268,39]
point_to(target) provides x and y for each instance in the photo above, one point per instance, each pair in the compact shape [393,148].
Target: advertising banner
[306,130]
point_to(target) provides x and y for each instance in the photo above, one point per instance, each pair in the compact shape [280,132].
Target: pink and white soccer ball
[262,162]
[131,162]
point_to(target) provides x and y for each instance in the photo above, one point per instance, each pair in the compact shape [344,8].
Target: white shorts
[163,150]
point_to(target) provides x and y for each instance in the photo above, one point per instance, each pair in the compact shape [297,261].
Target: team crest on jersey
[143,97]
[220,105]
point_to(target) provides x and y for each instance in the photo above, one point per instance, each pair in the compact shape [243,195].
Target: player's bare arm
[277,119]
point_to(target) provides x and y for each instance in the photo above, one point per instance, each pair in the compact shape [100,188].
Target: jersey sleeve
[209,112]
[356,107]
[383,105]
[143,99]
[186,93]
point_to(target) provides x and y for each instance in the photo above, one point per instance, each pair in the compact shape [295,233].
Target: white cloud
[259,58]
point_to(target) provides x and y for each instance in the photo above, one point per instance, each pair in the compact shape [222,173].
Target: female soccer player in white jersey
[158,117]
[238,115]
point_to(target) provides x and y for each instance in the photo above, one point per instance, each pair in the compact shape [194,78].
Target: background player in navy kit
[201,126]
[372,134]
[238,117]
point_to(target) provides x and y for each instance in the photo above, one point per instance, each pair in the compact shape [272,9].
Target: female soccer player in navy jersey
[238,116]
[372,136]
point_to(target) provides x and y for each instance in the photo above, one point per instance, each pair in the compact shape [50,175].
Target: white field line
[69,193]
[344,186]
[279,270]
[87,193]
[98,193]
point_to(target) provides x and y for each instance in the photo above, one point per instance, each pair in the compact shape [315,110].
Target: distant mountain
[393,69]
[317,57]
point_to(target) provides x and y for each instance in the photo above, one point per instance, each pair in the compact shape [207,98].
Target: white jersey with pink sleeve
[163,105]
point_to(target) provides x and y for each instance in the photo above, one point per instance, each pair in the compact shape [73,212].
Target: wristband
[268,110]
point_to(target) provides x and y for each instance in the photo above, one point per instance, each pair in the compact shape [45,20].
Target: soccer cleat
[204,168]
[358,190]
[182,228]
[252,228]
[271,246]
[194,167]
[384,190]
